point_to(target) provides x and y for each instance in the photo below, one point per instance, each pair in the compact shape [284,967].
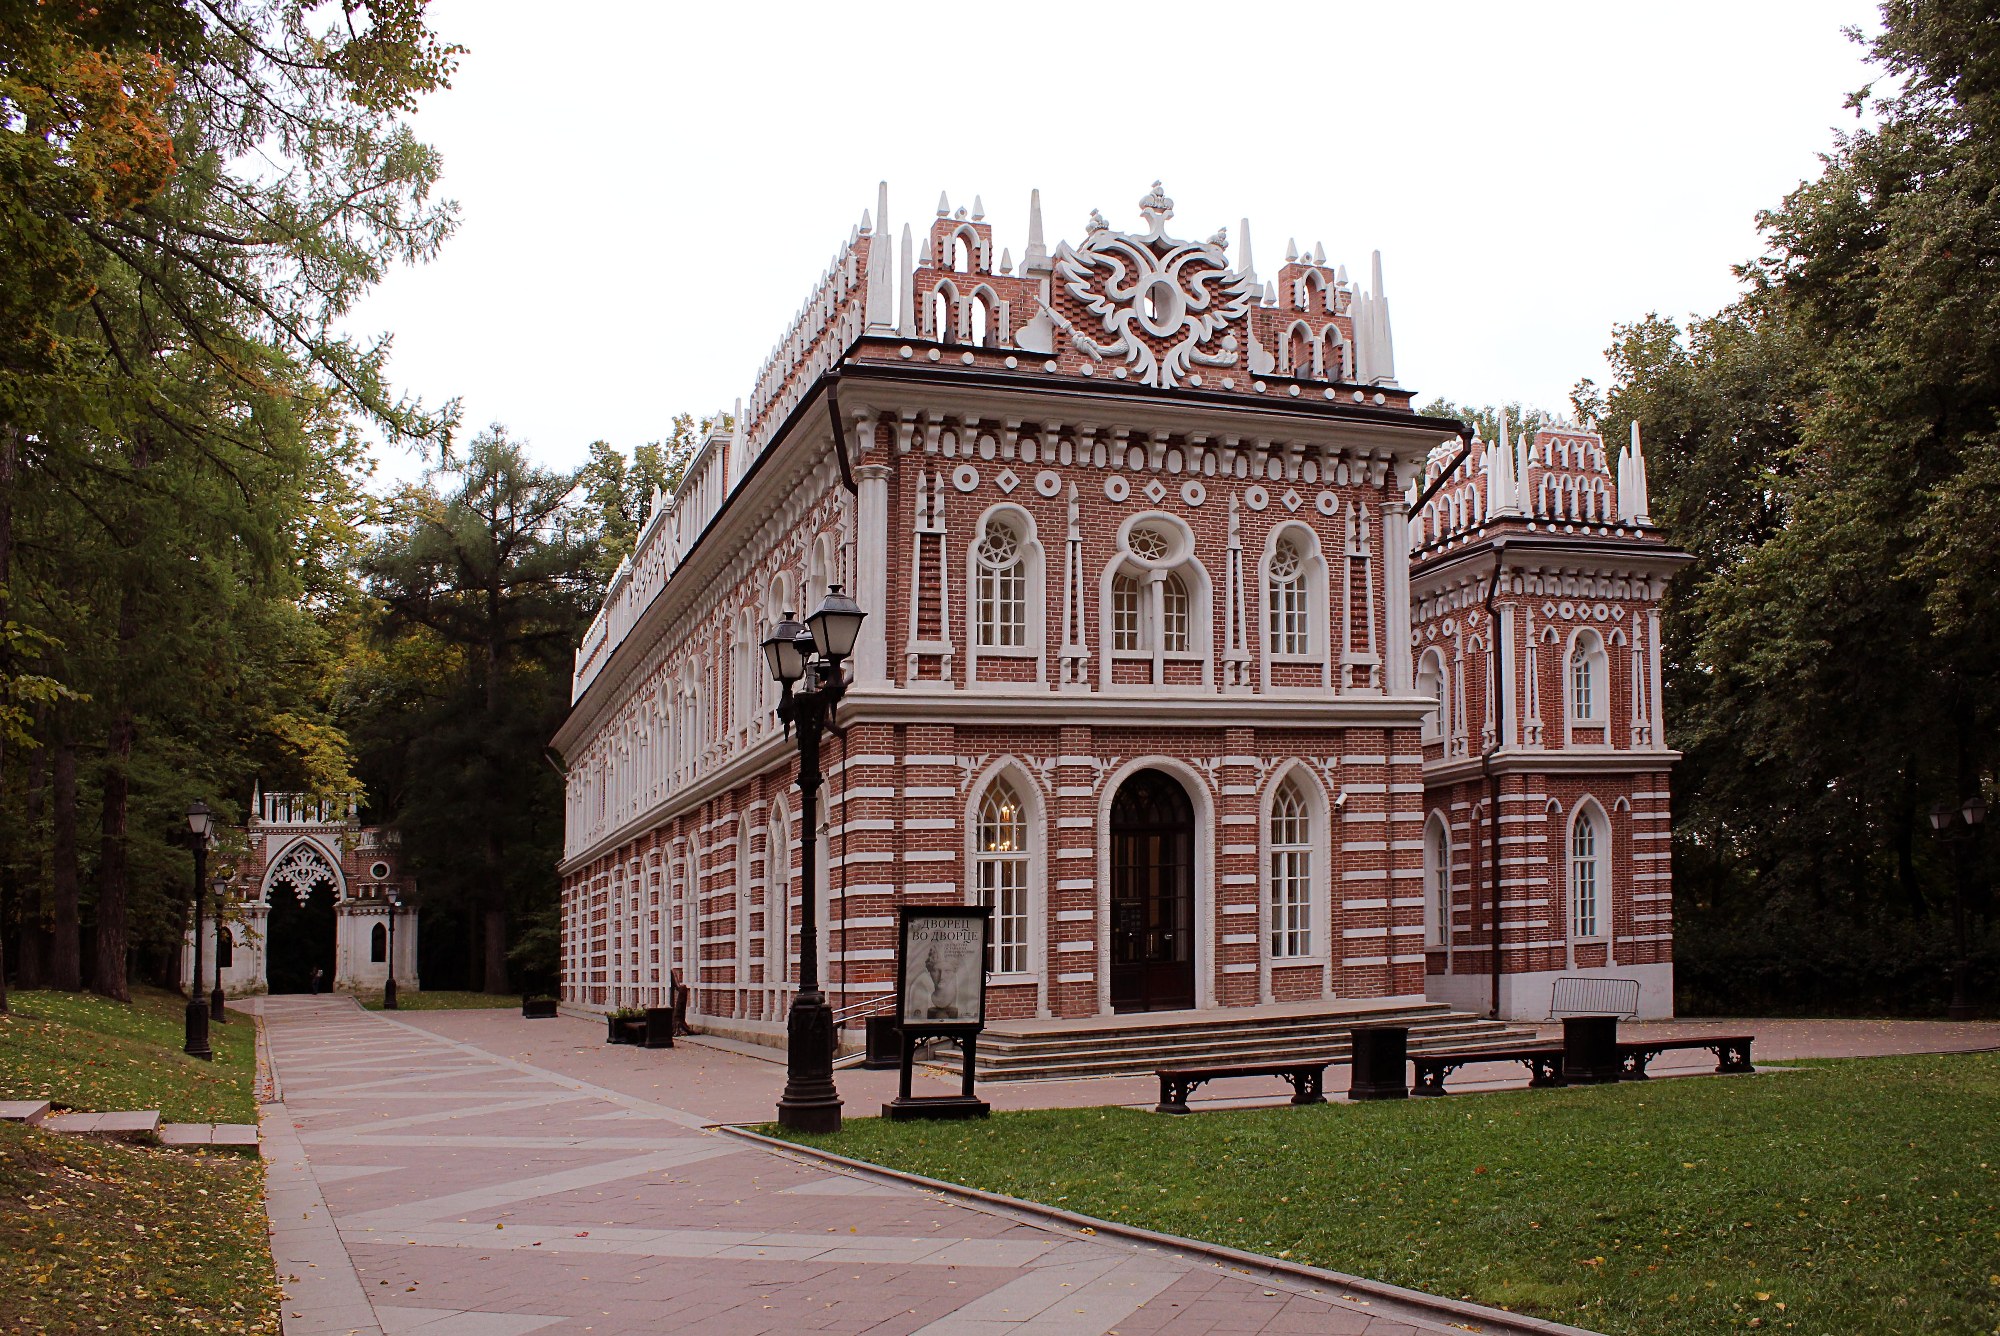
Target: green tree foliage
[1826,447]
[618,493]
[486,576]
[195,193]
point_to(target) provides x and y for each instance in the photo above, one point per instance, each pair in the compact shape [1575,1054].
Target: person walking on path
[317,975]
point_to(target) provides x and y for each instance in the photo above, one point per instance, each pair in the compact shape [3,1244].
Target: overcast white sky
[649,190]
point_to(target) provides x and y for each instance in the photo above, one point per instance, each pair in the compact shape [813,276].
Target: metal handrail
[865,1007]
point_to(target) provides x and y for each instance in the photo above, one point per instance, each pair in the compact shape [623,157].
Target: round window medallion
[379,872]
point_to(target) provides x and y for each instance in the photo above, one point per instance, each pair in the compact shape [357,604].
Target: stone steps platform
[29,1111]
[136,1125]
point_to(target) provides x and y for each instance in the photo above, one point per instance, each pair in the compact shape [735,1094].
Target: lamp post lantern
[395,898]
[200,821]
[216,1009]
[1958,828]
[806,662]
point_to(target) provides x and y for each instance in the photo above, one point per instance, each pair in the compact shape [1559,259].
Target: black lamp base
[197,1031]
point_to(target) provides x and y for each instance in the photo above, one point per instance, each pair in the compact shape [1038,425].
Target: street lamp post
[200,821]
[395,898]
[806,661]
[216,1010]
[1946,822]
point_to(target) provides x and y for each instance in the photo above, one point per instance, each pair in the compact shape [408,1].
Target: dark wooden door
[1152,895]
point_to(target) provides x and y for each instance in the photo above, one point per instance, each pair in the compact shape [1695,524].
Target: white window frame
[1288,874]
[1035,825]
[1149,575]
[1595,925]
[1586,645]
[1436,722]
[1437,881]
[1033,596]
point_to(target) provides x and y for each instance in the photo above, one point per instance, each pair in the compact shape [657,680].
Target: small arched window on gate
[378,944]
[225,948]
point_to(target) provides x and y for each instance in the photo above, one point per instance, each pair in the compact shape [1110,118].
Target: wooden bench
[1732,1053]
[1307,1080]
[1543,1061]
[1594,997]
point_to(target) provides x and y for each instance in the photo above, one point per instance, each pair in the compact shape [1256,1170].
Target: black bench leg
[1306,1087]
[1430,1081]
[1545,1073]
[1174,1095]
[1733,1058]
[1634,1068]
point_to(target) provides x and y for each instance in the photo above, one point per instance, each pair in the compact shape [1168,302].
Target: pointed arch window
[1587,670]
[1174,603]
[1291,622]
[378,944]
[778,898]
[1431,682]
[1437,882]
[1002,586]
[1291,873]
[1586,877]
[1001,875]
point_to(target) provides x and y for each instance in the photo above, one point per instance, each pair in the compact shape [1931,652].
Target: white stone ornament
[1154,287]
[1048,482]
[1327,504]
[1006,481]
[1193,493]
[1156,491]
[1292,500]
[1256,497]
[1116,488]
[965,477]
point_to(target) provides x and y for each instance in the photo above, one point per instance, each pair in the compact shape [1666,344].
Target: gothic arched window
[1001,875]
[1291,873]
[1437,882]
[1291,624]
[1002,592]
[1587,848]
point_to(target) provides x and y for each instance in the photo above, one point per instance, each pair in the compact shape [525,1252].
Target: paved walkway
[427,1185]
[474,1174]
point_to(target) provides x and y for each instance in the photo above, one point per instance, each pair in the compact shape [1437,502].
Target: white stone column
[1396,594]
[871,573]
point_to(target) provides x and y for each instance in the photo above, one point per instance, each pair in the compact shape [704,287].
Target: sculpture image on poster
[944,962]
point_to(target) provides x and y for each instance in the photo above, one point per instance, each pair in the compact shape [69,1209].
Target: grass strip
[1844,1197]
[81,1051]
[103,1237]
[443,999]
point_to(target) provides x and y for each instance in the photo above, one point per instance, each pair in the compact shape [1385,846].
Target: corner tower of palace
[1133,529]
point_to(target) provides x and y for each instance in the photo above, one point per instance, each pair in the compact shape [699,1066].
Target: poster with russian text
[944,966]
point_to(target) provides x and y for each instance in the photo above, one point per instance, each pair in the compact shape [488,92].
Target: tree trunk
[8,455]
[112,871]
[496,951]
[65,962]
[34,929]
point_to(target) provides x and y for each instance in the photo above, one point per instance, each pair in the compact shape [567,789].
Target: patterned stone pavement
[430,1185]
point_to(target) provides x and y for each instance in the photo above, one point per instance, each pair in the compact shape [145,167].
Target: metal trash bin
[884,1044]
[1590,1050]
[1381,1062]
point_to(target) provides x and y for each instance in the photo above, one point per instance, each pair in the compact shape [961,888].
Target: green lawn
[107,1238]
[81,1051]
[409,999]
[1846,1197]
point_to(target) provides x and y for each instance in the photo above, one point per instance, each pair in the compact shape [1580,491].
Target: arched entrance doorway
[299,935]
[1152,895]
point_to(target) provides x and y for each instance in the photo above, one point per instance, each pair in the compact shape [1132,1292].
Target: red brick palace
[1159,662]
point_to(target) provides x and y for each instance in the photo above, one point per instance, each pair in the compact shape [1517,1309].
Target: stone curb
[266,1089]
[1428,1310]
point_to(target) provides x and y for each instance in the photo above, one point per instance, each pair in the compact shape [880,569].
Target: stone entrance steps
[1138,1045]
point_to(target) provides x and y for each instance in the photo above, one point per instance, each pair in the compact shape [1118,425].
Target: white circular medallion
[1193,493]
[1567,610]
[1327,504]
[1256,497]
[965,477]
[1116,488]
[1600,612]
[1048,482]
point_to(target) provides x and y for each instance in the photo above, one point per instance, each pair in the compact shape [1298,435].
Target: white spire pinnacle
[1291,249]
[1006,260]
[1319,254]
[1036,258]
[867,223]
[1633,502]
[1249,266]
[978,209]
[1270,294]
[924,252]
[906,291]
[944,206]
[1503,495]
[881,271]
[1375,352]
